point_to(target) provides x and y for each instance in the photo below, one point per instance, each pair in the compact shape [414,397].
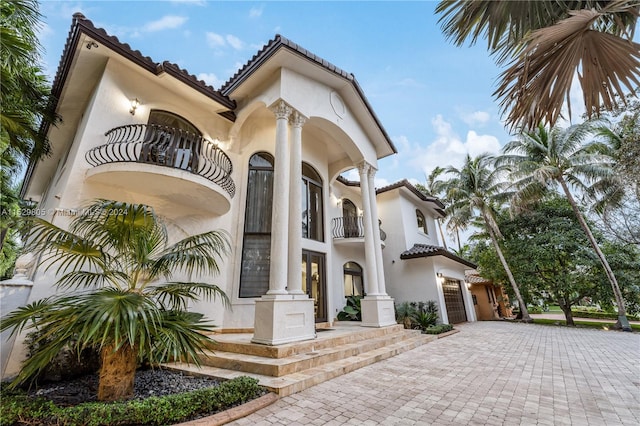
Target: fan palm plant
[546,42]
[117,268]
[473,191]
[541,159]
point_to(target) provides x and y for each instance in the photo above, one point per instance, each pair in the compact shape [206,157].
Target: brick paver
[491,373]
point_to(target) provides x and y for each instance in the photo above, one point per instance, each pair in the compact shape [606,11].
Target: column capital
[363,168]
[297,119]
[281,110]
[372,171]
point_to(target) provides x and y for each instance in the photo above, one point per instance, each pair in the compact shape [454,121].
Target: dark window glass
[312,204]
[256,248]
[422,223]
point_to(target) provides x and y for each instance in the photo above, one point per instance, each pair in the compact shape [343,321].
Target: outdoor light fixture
[439,274]
[134,104]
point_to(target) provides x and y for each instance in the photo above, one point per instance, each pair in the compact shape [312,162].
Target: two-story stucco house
[262,158]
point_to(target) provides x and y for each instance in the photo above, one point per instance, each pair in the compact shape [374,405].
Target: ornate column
[295,209]
[283,316]
[377,243]
[280,210]
[371,279]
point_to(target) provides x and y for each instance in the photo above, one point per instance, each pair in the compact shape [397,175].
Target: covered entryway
[314,282]
[454,301]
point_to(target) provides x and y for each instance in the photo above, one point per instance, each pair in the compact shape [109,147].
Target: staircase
[290,368]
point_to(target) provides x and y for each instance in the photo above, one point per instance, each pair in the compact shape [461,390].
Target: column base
[279,321]
[377,311]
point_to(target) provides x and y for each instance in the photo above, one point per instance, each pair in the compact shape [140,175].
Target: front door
[314,282]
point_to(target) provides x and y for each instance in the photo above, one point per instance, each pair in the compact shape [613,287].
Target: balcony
[348,230]
[162,166]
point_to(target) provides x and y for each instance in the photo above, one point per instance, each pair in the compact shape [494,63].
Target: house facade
[260,158]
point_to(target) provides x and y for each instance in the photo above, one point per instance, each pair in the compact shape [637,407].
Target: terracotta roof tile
[426,250]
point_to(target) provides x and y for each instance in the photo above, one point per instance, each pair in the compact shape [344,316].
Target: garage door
[454,301]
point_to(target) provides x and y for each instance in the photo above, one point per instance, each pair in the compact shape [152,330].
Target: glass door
[314,282]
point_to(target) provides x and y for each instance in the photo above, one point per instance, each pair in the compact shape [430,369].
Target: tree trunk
[444,242]
[523,307]
[623,322]
[117,373]
[566,310]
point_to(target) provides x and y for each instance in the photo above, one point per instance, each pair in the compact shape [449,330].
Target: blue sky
[434,99]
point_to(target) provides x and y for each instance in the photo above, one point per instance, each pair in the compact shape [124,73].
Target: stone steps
[297,366]
[300,361]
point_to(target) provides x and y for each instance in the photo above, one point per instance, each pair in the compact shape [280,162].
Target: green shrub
[438,329]
[151,411]
[534,309]
[417,315]
[353,311]
[598,315]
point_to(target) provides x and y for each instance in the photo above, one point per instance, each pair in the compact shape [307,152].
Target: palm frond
[176,295]
[537,84]
[180,337]
[195,254]
[65,249]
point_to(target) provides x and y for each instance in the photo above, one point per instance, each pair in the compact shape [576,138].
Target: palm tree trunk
[117,373]
[444,242]
[523,307]
[623,322]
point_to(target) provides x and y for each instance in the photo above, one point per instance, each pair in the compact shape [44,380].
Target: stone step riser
[229,361]
[354,364]
[284,351]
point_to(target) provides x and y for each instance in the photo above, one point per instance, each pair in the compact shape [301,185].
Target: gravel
[153,382]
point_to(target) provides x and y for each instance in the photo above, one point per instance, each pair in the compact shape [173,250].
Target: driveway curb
[234,413]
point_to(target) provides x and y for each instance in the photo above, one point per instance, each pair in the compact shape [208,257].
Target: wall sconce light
[439,275]
[134,104]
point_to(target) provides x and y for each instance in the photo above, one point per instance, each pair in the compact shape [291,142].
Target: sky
[433,98]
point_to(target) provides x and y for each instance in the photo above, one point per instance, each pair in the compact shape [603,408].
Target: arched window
[312,205]
[350,219]
[256,247]
[353,285]
[422,223]
[171,140]
[169,119]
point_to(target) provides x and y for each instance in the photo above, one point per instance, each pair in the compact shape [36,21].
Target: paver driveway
[491,373]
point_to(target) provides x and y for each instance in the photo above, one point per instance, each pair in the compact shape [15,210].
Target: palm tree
[435,188]
[541,159]
[127,306]
[24,100]
[473,191]
[547,42]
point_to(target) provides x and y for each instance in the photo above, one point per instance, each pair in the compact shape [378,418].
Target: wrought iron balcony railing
[168,147]
[351,227]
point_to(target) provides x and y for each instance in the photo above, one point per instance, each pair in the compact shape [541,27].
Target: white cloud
[165,23]
[211,79]
[447,149]
[235,42]
[218,41]
[215,40]
[256,12]
[478,144]
[476,117]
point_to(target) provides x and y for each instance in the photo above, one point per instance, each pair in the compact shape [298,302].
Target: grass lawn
[582,323]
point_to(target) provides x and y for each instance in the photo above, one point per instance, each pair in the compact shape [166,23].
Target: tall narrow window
[353,280]
[422,223]
[256,248]
[312,204]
